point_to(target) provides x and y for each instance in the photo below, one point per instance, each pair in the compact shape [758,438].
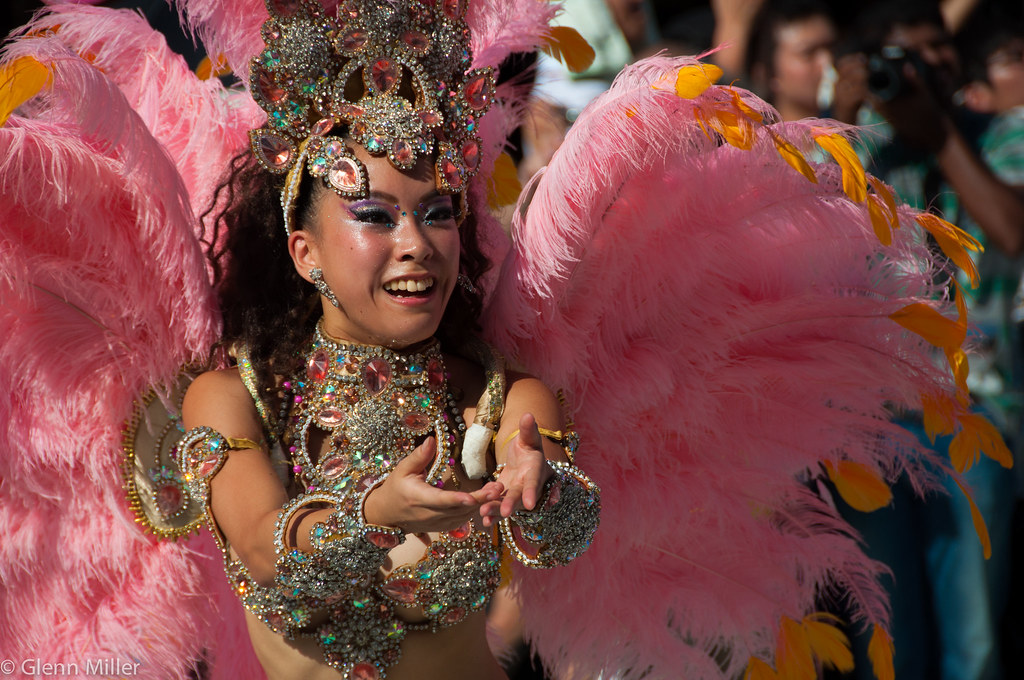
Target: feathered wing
[105,292]
[716,305]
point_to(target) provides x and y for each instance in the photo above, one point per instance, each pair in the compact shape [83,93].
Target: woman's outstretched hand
[406,500]
[523,476]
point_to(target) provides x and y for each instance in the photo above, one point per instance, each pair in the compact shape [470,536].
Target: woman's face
[803,51]
[391,259]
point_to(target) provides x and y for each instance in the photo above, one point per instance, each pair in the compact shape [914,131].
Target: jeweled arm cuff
[201,453]
[562,525]
[346,552]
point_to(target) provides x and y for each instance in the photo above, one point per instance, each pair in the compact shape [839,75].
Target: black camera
[886,79]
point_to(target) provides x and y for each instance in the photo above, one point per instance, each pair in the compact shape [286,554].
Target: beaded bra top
[366,408]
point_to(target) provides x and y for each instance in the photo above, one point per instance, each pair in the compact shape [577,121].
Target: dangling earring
[466,284]
[318,280]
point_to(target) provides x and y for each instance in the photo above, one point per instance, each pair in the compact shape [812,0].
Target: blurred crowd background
[939,87]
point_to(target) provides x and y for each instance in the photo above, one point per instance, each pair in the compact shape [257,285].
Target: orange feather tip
[209,68]
[793,157]
[888,198]
[855,183]
[692,81]
[793,657]
[20,80]
[927,322]
[954,242]
[879,220]
[758,669]
[939,415]
[880,653]
[828,643]
[568,46]
[979,522]
[977,436]
[504,187]
[861,487]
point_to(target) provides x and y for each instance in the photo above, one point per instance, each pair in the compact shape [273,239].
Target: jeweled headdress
[396,73]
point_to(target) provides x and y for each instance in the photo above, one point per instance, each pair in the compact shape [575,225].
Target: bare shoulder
[219,399]
[527,394]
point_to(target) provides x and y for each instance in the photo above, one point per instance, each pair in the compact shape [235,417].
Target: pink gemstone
[169,499]
[322,127]
[275,150]
[451,172]
[365,483]
[435,374]
[461,533]
[344,174]
[353,40]
[416,421]
[455,614]
[275,620]
[351,394]
[351,110]
[402,152]
[376,375]
[268,87]
[471,154]
[285,8]
[331,417]
[402,589]
[430,118]
[317,367]
[364,671]
[333,467]
[382,540]
[554,496]
[416,40]
[452,8]
[477,91]
[208,465]
[384,73]
[359,128]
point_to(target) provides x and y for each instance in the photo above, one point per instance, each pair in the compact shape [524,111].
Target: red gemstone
[382,540]
[455,614]
[401,150]
[416,421]
[384,73]
[477,91]
[285,8]
[351,394]
[359,128]
[268,88]
[416,40]
[376,376]
[471,154]
[451,172]
[208,465]
[435,374]
[364,671]
[430,118]
[169,499]
[353,40]
[452,8]
[461,533]
[344,174]
[317,367]
[331,417]
[275,150]
[402,589]
[322,127]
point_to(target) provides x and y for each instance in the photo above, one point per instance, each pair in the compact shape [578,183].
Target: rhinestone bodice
[349,417]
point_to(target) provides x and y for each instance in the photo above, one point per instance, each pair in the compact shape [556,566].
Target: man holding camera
[903,82]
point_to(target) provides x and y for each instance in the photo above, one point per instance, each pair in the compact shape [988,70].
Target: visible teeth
[410,285]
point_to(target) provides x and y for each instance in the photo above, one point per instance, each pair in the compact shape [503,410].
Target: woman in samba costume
[358,515]
[727,318]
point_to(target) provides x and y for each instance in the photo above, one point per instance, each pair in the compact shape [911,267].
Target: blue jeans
[948,600]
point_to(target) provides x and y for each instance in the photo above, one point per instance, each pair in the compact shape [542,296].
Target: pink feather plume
[720,325]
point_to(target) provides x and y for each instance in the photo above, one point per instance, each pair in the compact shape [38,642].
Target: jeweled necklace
[374,406]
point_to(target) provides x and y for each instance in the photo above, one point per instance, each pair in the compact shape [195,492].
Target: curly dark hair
[266,306]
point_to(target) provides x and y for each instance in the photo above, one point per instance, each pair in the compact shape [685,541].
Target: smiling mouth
[409,287]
